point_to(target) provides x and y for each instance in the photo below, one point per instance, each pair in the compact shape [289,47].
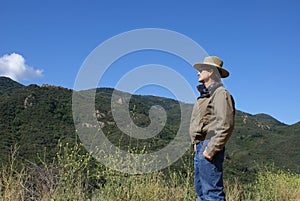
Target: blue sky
[258,41]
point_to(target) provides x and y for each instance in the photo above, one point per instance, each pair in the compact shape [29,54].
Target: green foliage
[37,118]
[8,86]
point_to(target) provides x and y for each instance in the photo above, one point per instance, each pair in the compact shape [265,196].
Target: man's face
[204,75]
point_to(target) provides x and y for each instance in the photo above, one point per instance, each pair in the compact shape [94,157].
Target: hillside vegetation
[38,118]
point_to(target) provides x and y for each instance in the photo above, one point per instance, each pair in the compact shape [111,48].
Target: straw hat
[212,61]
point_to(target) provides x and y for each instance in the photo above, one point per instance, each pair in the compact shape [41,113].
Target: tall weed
[276,185]
[75,175]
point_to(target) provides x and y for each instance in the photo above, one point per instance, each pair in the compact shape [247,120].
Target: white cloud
[14,66]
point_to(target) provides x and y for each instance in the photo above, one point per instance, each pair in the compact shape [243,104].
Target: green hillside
[37,117]
[8,86]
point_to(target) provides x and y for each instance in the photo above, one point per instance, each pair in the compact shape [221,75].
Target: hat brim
[200,66]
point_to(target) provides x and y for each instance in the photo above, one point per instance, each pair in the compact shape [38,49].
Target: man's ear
[211,71]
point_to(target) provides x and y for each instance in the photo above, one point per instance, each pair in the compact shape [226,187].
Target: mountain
[267,119]
[8,86]
[36,118]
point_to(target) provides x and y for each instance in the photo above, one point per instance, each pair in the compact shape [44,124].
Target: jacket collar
[207,92]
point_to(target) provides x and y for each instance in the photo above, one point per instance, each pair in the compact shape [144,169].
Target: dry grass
[70,176]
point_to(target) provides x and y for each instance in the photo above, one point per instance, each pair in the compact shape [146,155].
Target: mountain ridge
[7,85]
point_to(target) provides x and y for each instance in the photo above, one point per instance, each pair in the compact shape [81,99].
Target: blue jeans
[208,175]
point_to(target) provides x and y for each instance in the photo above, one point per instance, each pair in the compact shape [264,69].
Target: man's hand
[208,157]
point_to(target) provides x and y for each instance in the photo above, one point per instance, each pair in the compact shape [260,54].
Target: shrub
[276,185]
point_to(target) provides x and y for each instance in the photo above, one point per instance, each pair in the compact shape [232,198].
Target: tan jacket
[213,118]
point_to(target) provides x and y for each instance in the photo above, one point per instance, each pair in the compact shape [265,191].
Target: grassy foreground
[73,175]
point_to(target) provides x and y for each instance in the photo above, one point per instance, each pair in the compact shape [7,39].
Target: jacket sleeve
[222,122]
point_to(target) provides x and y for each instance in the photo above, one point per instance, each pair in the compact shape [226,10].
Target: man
[211,125]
